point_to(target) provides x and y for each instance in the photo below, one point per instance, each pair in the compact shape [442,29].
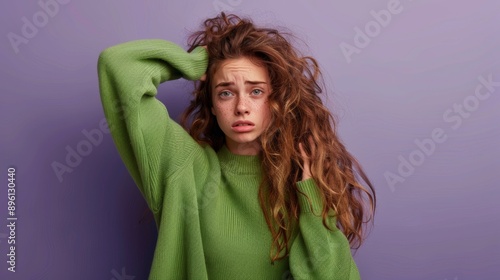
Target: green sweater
[205,203]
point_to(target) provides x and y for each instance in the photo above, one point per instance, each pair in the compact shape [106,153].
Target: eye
[225,93]
[257,91]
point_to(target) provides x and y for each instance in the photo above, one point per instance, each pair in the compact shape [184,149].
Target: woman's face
[240,91]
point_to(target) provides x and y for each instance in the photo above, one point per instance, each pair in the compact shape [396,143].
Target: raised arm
[151,145]
[316,252]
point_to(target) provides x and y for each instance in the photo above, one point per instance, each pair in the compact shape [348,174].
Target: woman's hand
[306,160]
[204,76]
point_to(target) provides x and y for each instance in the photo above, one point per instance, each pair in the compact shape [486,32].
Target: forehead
[240,68]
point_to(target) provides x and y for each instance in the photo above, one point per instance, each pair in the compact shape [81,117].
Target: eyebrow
[225,84]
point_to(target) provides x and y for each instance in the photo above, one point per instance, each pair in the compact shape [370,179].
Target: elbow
[108,56]
[104,57]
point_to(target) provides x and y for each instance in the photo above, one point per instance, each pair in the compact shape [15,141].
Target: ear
[213,111]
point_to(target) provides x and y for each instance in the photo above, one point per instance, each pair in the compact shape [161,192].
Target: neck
[244,149]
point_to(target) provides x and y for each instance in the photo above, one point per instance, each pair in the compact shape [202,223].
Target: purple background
[441,222]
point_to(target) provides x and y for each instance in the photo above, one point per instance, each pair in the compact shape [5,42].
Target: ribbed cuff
[309,190]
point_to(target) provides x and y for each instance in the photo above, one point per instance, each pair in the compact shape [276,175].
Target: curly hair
[297,116]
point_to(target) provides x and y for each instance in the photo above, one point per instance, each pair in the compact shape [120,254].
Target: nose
[241,107]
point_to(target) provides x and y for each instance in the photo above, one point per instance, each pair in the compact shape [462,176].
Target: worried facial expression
[240,91]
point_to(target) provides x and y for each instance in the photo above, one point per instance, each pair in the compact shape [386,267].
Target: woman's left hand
[306,161]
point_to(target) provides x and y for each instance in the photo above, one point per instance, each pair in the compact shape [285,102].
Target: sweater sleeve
[316,252]
[151,145]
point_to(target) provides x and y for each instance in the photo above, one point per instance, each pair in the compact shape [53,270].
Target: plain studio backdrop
[415,86]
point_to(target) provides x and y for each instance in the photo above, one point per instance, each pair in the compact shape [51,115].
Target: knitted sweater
[205,204]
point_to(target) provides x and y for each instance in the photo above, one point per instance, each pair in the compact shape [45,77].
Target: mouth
[242,124]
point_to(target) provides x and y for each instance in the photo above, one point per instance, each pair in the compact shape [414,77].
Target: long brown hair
[298,116]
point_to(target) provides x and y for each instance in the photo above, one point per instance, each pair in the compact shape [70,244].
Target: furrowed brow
[255,82]
[224,84]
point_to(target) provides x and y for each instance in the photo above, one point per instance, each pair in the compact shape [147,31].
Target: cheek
[265,112]
[221,112]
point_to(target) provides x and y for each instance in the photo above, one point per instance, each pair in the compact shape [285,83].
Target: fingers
[311,145]
[204,76]
[303,152]
[306,169]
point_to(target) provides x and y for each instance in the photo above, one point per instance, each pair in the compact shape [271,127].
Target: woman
[261,187]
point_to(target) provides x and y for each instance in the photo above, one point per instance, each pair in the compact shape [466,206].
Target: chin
[244,139]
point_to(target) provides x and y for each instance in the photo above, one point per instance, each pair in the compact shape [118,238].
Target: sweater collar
[239,164]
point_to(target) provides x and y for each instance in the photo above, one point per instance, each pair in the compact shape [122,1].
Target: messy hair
[298,115]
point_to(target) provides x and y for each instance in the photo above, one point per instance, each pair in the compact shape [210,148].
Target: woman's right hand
[204,76]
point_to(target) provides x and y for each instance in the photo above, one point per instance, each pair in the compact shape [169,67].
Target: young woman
[260,187]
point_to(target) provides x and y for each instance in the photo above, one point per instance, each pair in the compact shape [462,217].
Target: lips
[243,123]
[242,126]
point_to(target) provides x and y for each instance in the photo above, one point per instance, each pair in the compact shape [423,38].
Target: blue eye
[225,93]
[257,91]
